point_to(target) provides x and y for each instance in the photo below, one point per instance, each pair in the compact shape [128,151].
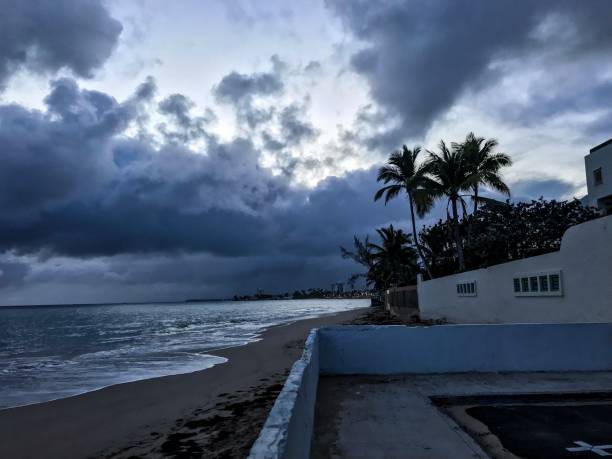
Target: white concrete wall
[397,349]
[585,260]
[288,428]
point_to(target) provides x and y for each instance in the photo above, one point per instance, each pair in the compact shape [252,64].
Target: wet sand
[216,412]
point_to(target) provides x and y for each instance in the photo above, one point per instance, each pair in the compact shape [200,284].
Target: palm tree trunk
[458,242]
[416,237]
[471,221]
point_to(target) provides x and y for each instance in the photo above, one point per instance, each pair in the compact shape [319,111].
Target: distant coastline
[310,294]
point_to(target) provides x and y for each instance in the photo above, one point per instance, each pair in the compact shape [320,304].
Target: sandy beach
[215,412]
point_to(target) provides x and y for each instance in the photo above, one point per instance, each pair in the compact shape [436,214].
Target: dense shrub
[502,232]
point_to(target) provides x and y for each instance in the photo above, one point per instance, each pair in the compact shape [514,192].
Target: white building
[598,165]
[573,284]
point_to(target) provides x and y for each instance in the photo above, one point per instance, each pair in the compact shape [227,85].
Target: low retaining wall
[397,349]
[288,429]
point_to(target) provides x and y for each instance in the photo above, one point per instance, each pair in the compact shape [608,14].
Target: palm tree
[451,175]
[403,174]
[363,256]
[485,164]
[394,259]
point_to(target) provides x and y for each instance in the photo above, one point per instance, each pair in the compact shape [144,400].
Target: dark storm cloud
[246,274]
[294,128]
[243,90]
[210,253]
[334,211]
[131,219]
[68,177]
[45,36]
[542,187]
[420,56]
[55,156]
[178,107]
[12,273]
[237,87]
[589,97]
[72,185]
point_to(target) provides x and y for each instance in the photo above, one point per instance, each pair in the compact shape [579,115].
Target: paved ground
[533,431]
[394,417]
[533,428]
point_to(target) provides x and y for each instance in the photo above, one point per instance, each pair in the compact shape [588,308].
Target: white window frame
[538,276]
[465,286]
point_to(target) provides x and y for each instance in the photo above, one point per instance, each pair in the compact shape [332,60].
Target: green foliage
[458,172]
[452,175]
[495,232]
[391,262]
[484,164]
[403,174]
[503,232]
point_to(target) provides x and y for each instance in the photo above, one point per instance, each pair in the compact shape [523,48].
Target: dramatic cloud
[293,128]
[420,57]
[155,195]
[43,36]
[68,177]
[237,87]
[73,184]
[74,187]
[242,91]
[178,107]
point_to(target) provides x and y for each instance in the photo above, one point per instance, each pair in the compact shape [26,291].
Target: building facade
[598,165]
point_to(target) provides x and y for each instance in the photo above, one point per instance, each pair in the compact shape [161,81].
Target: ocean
[51,352]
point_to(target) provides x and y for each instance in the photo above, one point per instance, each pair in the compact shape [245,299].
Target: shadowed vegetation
[493,232]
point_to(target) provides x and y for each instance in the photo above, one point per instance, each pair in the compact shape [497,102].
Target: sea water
[50,352]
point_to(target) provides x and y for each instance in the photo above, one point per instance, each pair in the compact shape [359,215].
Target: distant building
[598,165]
[337,288]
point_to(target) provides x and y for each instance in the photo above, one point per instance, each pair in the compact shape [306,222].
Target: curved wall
[585,262]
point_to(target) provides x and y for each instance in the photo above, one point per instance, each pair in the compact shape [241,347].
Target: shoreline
[111,420]
[89,391]
[209,352]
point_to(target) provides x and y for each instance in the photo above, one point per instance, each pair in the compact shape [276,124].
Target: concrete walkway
[361,418]
[393,417]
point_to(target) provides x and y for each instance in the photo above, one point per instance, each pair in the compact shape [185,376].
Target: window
[538,284]
[466,288]
[598,176]
[543,283]
[555,282]
[524,284]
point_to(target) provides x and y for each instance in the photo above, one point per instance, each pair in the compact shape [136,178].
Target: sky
[159,151]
